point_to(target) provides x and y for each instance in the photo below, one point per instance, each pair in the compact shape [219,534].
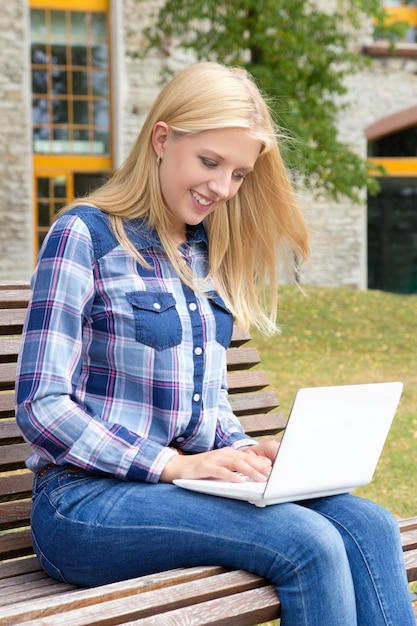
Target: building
[73,97]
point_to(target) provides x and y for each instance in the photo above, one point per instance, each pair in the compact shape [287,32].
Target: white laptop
[331,445]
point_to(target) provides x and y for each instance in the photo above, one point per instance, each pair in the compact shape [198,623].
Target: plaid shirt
[120,361]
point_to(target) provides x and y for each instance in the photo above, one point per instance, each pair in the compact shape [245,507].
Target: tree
[299,55]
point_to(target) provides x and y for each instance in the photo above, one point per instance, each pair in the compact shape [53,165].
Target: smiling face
[200,172]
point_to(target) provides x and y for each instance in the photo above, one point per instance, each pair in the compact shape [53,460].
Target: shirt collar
[142,236]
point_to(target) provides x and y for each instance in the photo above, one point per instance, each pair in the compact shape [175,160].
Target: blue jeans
[335,561]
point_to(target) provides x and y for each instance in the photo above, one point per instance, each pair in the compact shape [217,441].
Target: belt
[48,468]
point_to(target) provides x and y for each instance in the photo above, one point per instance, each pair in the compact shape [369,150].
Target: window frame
[49,164]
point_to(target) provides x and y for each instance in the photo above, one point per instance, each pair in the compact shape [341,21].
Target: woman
[122,375]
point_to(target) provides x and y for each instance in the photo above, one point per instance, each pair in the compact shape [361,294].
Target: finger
[267,448]
[255,468]
[229,464]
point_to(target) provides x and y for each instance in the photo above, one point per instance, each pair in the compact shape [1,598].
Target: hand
[267,448]
[224,464]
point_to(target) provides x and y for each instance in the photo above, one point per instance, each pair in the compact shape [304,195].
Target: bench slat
[14,298]
[250,607]
[149,602]
[18,567]
[42,588]
[19,582]
[409,523]
[263,424]
[410,559]
[13,455]
[409,539]
[239,337]
[30,582]
[14,284]
[247,403]
[7,376]
[11,321]
[9,348]
[107,593]
[240,382]
[16,544]
[242,358]
[7,405]
[16,483]
[15,513]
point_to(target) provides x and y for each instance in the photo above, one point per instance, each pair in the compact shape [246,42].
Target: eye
[240,176]
[208,162]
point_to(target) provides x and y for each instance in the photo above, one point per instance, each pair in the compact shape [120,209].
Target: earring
[158,160]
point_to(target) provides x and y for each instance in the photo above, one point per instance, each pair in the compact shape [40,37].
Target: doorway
[392,236]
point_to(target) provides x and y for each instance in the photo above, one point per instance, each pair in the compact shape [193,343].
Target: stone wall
[337,243]
[16,221]
[338,229]
[142,77]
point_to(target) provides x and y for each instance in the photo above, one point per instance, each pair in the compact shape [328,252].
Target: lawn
[340,336]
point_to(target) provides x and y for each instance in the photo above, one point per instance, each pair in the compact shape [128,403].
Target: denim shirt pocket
[157,323]
[223,318]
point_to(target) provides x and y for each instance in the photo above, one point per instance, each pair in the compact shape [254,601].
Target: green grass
[342,336]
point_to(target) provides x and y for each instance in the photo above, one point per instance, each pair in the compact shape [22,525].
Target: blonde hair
[260,225]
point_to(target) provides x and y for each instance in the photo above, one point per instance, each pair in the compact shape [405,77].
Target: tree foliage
[300,55]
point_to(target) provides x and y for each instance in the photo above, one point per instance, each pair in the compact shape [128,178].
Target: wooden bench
[199,595]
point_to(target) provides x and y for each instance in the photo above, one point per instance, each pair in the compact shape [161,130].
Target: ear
[160,134]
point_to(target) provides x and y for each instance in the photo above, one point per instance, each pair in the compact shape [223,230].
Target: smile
[201,200]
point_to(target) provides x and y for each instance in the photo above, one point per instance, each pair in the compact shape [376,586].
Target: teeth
[201,200]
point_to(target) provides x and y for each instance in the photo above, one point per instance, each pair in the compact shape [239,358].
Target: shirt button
[198,351]
[192,306]
[156,306]
[196,397]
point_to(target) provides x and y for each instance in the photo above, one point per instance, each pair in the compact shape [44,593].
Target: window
[54,189]
[402,143]
[71,103]
[70,82]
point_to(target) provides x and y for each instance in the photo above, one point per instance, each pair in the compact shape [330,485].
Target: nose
[220,184]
